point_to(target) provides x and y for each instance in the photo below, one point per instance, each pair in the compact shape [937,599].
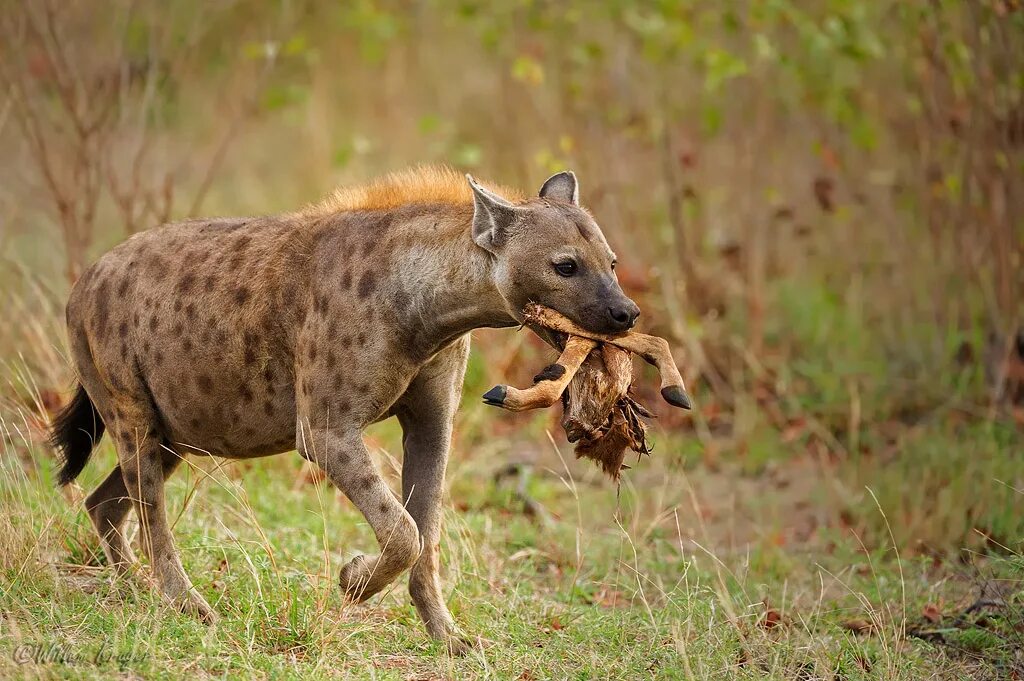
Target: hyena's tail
[74,432]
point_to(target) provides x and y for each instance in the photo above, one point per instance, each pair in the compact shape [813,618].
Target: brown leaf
[932,613]
[771,619]
[857,626]
[610,598]
[556,624]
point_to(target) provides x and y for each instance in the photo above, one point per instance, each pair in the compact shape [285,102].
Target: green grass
[657,581]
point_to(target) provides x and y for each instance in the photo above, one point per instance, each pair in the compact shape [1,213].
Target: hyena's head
[549,250]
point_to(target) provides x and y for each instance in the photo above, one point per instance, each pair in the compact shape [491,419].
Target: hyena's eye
[566,268]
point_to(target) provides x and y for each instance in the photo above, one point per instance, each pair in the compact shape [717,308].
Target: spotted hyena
[246,337]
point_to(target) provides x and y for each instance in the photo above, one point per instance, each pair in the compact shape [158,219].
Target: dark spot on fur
[122,290]
[241,294]
[245,393]
[343,406]
[346,281]
[158,357]
[346,341]
[332,361]
[186,345]
[190,310]
[210,283]
[194,423]
[124,351]
[186,283]
[361,338]
[153,323]
[158,266]
[122,330]
[552,372]
[268,408]
[384,508]
[367,283]
[177,305]
[178,328]
[312,352]
[366,482]
[205,383]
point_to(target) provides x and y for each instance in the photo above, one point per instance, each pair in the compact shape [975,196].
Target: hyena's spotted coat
[248,337]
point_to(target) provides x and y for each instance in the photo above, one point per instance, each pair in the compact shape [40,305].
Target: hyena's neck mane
[429,270]
[427,184]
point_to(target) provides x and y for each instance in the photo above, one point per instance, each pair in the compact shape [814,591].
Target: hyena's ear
[562,186]
[493,217]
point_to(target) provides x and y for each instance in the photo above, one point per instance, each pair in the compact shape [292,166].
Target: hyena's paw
[194,605]
[441,628]
[357,580]
[459,646]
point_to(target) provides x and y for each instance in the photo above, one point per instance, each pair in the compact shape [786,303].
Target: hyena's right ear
[493,217]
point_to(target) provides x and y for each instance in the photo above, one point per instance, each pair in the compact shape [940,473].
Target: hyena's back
[197,319]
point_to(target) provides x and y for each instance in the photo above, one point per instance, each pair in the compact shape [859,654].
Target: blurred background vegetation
[819,203]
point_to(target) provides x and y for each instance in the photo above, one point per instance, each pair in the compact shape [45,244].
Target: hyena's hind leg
[108,507]
[144,464]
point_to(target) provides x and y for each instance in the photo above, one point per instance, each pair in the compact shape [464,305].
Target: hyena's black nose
[623,315]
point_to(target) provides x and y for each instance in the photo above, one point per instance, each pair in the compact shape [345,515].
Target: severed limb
[653,350]
[548,385]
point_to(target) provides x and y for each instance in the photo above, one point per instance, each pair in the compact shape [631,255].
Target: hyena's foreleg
[343,456]
[426,412]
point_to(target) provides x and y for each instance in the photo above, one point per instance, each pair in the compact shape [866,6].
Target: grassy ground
[686,571]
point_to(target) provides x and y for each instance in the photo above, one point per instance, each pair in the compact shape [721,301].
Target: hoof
[496,396]
[675,396]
